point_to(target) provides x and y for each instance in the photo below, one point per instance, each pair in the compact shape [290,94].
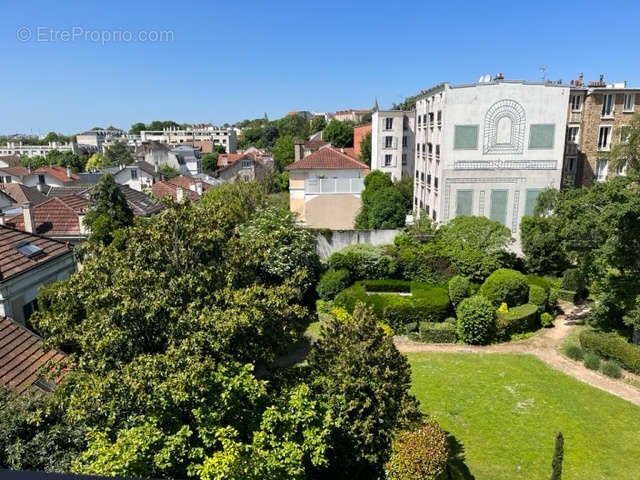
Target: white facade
[219,136]
[392,143]
[19,148]
[488,149]
[136,178]
[99,139]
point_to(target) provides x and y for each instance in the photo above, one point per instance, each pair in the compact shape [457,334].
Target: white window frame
[622,169]
[576,99]
[388,123]
[628,102]
[389,141]
[576,137]
[601,172]
[607,146]
[387,160]
[404,159]
[608,112]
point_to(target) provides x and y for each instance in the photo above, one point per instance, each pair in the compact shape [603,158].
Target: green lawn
[506,409]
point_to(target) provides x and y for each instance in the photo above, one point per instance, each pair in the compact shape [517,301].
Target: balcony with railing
[320,186]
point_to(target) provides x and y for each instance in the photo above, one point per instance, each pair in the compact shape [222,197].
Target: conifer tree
[558,455]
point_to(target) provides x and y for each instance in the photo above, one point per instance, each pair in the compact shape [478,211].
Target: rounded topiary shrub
[591,361]
[419,454]
[611,369]
[476,320]
[505,285]
[332,283]
[459,289]
[572,279]
[546,319]
[538,296]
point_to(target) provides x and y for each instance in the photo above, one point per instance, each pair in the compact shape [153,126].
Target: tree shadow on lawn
[458,470]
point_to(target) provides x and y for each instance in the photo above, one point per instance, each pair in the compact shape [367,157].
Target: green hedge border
[611,345]
[520,319]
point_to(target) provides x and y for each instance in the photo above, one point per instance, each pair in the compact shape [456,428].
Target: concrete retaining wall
[331,241]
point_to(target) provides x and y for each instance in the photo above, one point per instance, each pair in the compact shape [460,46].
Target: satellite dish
[487,78]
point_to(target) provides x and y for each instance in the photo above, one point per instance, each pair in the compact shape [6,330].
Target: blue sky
[231,60]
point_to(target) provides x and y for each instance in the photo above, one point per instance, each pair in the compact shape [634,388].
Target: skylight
[29,250]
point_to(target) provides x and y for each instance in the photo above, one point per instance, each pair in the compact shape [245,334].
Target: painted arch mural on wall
[504,128]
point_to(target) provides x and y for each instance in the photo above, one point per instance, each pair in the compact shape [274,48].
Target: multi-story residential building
[218,136]
[392,143]
[27,150]
[355,116]
[595,120]
[488,149]
[99,139]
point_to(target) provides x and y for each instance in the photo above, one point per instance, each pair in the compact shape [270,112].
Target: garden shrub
[573,351]
[546,319]
[363,261]
[611,369]
[419,454]
[591,361]
[451,320]
[561,294]
[520,319]
[441,332]
[332,282]
[476,320]
[387,286]
[459,289]
[538,296]
[426,303]
[505,285]
[572,279]
[613,346]
[411,327]
[539,281]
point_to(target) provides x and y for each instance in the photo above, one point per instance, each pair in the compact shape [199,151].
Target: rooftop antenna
[543,70]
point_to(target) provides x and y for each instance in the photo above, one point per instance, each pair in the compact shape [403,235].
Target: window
[7,179]
[434,215]
[465,137]
[604,138]
[571,165]
[246,163]
[530,201]
[621,169]
[134,174]
[628,102]
[404,141]
[41,179]
[28,309]
[608,101]
[404,159]
[388,123]
[437,151]
[430,148]
[429,179]
[576,103]
[601,170]
[422,176]
[419,121]
[388,142]
[435,182]
[417,174]
[431,119]
[625,135]
[464,199]
[498,208]
[439,116]
[29,250]
[572,134]
[388,160]
[541,136]
[405,123]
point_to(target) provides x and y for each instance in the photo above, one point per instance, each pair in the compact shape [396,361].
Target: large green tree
[626,152]
[295,126]
[108,211]
[118,153]
[383,203]
[318,124]
[365,149]
[340,134]
[283,152]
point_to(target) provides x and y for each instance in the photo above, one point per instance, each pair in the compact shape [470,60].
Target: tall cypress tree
[558,456]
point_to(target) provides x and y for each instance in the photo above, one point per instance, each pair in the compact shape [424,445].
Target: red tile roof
[225,159]
[22,356]
[17,171]
[168,189]
[57,216]
[12,262]
[59,173]
[315,144]
[10,160]
[328,158]
[21,193]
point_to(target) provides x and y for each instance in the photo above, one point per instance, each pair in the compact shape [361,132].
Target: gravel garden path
[546,346]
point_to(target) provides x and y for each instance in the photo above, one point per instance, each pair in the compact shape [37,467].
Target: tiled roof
[21,193]
[146,167]
[229,157]
[351,152]
[328,158]
[167,189]
[56,216]
[141,204]
[17,171]
[22,356]
[59,173]
[315,144]
[12,262]
[10,160]
[64,191]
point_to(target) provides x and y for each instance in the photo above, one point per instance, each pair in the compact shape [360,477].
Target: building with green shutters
[488,149]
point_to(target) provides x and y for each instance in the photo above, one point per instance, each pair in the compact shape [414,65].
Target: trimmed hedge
[386,286]
[538,296]
[610,345]
[363,261]
[476,320]
[442,332]
[459,289]
[505,285]
[521,319]
[566,295]
[332,282]
[539,281]
[426,303]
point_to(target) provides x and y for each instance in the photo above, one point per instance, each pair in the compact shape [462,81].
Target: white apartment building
[392,143]
[488,149]
[204,132]
[23,149]
[99,139]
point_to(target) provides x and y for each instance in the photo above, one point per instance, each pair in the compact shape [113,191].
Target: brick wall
[358,135]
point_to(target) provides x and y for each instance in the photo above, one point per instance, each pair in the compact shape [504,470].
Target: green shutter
[498,211]
[464,202]
[541,136]
[530,202]
[465,137]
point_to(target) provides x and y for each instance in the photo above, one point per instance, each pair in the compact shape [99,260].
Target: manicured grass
[506,410]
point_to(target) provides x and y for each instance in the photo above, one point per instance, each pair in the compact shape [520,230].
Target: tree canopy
[108,211]
[340,134]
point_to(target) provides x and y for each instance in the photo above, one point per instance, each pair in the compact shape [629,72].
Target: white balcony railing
[320,186]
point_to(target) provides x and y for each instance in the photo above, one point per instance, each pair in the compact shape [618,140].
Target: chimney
[580,78]
[68,172]
[156,168]
[297,152]
[27,213]
[179,194]
[341,149]
[199,188]
[1,217]
[499,76]
[601,78]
